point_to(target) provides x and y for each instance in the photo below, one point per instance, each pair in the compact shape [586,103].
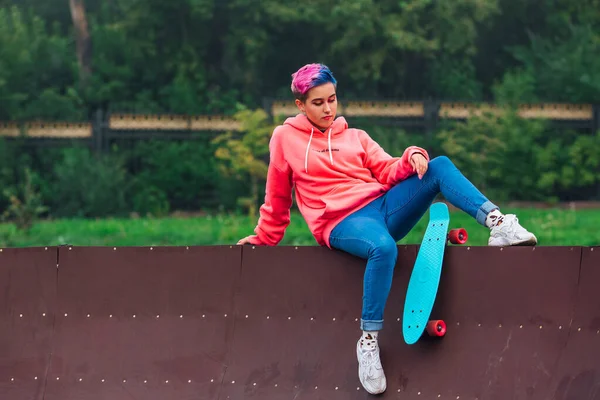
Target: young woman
[357,198]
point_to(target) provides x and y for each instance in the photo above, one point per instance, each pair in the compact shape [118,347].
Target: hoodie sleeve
[387,169]
[275,211]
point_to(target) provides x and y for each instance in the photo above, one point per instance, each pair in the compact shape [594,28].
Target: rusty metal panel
[578,374]
[297,323]
[150,323]
[27,305]
[282,322]
[494,302]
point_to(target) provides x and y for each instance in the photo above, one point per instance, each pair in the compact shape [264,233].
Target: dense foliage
[219,56]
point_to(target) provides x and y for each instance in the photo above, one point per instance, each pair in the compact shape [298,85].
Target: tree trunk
[82,37]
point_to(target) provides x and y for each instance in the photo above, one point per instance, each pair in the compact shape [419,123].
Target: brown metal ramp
[230,322]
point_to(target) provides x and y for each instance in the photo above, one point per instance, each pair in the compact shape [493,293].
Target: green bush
[511,158]
[89,185]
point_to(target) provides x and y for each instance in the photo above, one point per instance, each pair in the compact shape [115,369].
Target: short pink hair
[308,77]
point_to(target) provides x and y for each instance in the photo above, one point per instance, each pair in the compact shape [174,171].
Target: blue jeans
[371,233]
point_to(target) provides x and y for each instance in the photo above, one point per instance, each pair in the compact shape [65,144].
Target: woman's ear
[300,105]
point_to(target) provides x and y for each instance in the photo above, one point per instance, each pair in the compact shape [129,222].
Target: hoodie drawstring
[329,142]
[308,148]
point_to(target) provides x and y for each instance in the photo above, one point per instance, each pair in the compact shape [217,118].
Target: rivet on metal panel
[88,315]
[43,314]
[355,319]
[520,326]
[253,247]
[254,384]
[268,317]
[501,249]
[1,250]
[578,329]
[12,379]
[334,318]
[357,388]
[592,249]
[114,248]
[336,388]
[70,248]
[296,248]
[398,390]
[312,318]
[110,316]
[418,393]
[181,316]
[469,248]
[458,323]
[133,315]
[275,385]
[190,381]
[225,315]
[398,319]
[533,249]
[560,327]
[124,380]
[145,381]
[499,325]
[203,316]
[246,315]
[289,317]
[35,378]
[158,316]
[151,248]
[102,380]
[57,378]
[45,248]
[167,381]
[66,314]
[80,379]
[212,380]
[20,315]
[478,324]
[540,326]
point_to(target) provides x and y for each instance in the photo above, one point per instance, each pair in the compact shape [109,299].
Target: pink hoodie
[334,173]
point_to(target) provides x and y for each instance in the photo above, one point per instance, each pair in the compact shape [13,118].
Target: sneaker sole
[532,241]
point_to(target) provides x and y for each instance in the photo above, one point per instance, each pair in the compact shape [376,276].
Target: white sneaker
[370,371]
[510,233]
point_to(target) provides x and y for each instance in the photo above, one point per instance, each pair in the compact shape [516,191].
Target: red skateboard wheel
[436,328]
[458,236]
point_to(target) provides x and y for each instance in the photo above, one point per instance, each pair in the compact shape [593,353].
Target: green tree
[241,155]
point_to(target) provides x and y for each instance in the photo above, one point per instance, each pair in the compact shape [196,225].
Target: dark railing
[423,116]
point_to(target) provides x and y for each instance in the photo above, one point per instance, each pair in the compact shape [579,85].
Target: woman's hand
[419,164]
[246,240]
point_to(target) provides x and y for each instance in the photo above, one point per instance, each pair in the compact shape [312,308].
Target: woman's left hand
[419,164]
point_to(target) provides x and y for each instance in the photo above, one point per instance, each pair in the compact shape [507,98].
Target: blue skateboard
[425,278]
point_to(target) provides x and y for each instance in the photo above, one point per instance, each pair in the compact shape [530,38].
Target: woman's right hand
[247,240]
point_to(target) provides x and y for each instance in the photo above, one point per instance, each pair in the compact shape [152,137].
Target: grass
[553,227]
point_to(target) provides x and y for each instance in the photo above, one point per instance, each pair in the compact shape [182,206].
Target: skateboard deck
[425,277]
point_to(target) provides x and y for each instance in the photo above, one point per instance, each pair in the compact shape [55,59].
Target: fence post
[98,131]
[431,109]
[595,118]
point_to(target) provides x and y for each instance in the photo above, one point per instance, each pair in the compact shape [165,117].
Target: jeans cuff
[484,210]
[370,325]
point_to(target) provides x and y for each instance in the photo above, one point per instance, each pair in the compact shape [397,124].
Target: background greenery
[223,56]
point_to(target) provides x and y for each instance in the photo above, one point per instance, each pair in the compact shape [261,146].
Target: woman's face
[320,105]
